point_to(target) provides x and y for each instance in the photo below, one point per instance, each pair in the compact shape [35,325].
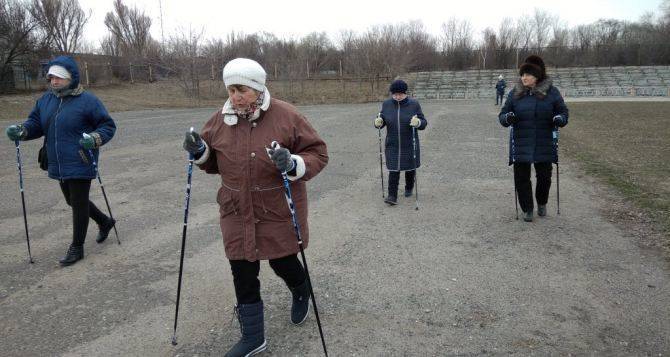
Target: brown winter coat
[254,216]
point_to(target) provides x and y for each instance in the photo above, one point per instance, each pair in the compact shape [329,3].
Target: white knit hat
[59,71]
[246,72]
[500,77]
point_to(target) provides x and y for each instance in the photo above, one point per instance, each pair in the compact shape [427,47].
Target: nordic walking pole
[381,165]
[416,169]
[23,200]
[102,187]
[558,181]
[183,241]
[516,203]
[289,200]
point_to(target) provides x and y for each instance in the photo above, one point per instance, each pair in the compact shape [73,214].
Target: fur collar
[540,90]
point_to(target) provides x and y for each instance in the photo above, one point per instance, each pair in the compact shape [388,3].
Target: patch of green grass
[627,145]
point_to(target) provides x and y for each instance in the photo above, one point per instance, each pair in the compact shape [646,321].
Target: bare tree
[182,57]
[130,29]
[542,23]
[61,21]
[16,41]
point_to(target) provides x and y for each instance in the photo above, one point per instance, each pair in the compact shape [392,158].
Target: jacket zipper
[60,176]
[399,141]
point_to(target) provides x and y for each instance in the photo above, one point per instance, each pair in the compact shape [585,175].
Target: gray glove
[282,159]
[557,120]
[16,132]
[511,118]
[193,143]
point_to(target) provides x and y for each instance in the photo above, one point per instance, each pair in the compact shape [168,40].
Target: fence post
[150,74]
[308,69]
[88,82]
[131,72]
[212,69]
[111,73]
[340,68]
[275,70]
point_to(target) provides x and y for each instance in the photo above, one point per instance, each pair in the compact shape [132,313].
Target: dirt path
[458,277]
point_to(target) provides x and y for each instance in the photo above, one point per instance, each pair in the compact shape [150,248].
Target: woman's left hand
[415,122]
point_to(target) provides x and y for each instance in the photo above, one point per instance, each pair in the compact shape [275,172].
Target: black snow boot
[300,307]
[391,200]
[541,210]
[74,254]
[528,216]
[252,328]
[104,230]
[408,192]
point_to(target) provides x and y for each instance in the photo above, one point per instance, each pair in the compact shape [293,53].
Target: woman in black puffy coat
[535,110]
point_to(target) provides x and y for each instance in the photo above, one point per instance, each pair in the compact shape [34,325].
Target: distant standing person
[500,89]
[62,115]
[534,109]
[399,114]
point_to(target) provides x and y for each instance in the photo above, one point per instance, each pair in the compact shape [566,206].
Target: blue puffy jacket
[399,149]
[72,115]
[531,138]
[500,86]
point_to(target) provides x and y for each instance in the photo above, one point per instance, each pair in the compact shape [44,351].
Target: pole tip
[174,340]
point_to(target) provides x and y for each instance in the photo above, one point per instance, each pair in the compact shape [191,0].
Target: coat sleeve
[103,123]
[207,161]
[422,118]
[560,109]
[508,107]
[33,124]
[309,151]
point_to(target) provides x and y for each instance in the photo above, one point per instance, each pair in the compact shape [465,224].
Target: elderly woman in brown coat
[254,216]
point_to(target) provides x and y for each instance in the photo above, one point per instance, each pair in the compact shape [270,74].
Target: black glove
[193,143]
[557,120]
[282,159]
[511,118]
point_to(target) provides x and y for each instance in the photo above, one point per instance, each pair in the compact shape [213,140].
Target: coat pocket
[270,205]
[226,202]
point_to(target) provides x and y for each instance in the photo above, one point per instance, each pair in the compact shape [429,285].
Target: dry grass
[123,97]
[626,144]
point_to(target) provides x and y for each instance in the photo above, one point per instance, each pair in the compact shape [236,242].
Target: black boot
[542,210]
[104,230]
[528,216]
[391,200]
[74,254]
[252,328]
[408,192]
[300,306]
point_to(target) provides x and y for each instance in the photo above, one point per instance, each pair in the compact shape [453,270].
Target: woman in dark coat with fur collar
[535,110]
[402,116]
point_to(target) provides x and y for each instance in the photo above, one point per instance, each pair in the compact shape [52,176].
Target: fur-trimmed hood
[540,90]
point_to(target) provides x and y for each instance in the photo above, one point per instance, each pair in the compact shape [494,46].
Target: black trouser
[394,180]
[524,187]
[499,95]
[76,196]
[245,276]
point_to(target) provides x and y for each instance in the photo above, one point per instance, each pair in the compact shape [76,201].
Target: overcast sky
[296,18]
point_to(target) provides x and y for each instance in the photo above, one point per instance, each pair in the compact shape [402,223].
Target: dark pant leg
[409,179]
[543,176]
[245,279]
[523,187]
[394,179]
[76,196]
[289,269]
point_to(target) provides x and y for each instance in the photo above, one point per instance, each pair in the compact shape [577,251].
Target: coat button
[253,154]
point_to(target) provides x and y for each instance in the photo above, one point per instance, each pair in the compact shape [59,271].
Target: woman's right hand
[193,143]
[15,132]
[379,122]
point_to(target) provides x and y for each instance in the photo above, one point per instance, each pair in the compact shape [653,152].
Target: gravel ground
[459,277]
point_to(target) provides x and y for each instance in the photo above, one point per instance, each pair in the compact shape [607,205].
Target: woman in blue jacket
[535,110]
[62,115]
[400,115]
